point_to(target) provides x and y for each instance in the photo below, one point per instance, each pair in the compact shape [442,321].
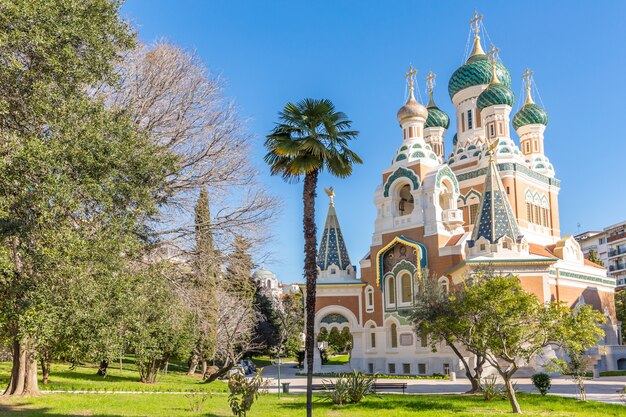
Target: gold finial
[491,147]
[528,74]
[493,55]
[475,25]
[410,76]
[430,85]
[330,192]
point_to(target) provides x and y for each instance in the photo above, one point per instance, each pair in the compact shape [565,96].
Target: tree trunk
[193,364]
[223,371]
[23,380]
[310,269]
[510,391]
[103,368]
[45,368]
[474,378]
[205,368]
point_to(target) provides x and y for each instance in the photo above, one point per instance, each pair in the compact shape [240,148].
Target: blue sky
[356,52]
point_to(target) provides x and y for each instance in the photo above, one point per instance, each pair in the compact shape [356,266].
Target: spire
[492,55]
[475,25]
[527,76]
[332,248]
[410,79]
[430,85]
[495,217]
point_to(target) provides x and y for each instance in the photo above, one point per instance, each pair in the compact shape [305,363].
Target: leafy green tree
[593,257]
[311,137]
[79,179]
[513,326]
[159,327]
[204,287]
[435,313]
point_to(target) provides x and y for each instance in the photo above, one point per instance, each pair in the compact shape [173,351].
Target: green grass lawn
[53,405]
[85,378]
[338,360]
[264,360]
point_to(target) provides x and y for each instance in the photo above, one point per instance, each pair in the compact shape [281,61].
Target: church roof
[495,217]
[332,248]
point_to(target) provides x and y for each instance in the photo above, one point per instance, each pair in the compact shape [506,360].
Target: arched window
[394,335]
[391,292]
[372,336]
[405,200]
[269,284]
[444,285]
[369,299]
[405,289]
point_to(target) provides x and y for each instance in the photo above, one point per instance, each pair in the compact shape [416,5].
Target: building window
[394,335]
[492,132]
[446,369]
[528,147]
[391,292]
[405,282]
[602,240]
[470,121]
[536,146]
[421,368]
[369,299]
[372,336]
[462,122]
[406,203]
[508,190]
[529,212]
[483,247]
[392,368]
[370,368]
[473,212]
[406,368]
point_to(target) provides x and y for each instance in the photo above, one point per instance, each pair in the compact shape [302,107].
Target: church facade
[492,202]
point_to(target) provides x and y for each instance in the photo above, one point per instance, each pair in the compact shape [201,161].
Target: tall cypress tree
[239,270]
[206,267]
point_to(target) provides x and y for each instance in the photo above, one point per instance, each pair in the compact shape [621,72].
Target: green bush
[490,388]
[349,388]
[542,382]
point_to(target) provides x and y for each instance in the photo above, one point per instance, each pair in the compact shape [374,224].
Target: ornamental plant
[542,382]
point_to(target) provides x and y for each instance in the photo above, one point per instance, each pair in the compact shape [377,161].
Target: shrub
[542,382]
[349,388]
[196,400]
[243,392]
[359,385]
[490,388]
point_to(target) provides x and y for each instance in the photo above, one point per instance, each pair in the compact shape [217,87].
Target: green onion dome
[436,117]
[496,93]
[476,71]
[530,114]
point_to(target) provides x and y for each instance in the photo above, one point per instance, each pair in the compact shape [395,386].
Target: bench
[376,386]
[389,385]
[322,387]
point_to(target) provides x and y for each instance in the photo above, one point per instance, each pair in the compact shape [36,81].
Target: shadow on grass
[17,410]
[388,402]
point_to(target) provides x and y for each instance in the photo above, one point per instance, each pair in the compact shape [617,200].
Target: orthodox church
[492,202]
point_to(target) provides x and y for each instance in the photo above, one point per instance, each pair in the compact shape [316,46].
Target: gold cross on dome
[410,76]
[475,23]
[430,81]
[493,53]
[527,74]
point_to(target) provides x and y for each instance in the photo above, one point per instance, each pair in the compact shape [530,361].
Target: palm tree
[310,137]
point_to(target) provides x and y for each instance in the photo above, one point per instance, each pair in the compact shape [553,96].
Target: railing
[618,251]
[617,267]
[620,235]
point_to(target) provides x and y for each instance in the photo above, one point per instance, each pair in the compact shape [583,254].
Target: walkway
[602,389]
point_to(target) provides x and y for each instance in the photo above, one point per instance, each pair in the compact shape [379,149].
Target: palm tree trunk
[310,269]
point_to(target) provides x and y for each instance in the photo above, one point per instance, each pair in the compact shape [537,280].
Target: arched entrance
[621,364]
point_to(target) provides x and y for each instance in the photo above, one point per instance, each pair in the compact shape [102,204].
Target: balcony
[616,252]
[617,267]
[618,236]
[452,218]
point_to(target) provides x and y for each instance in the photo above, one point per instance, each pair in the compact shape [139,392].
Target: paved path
[602,389]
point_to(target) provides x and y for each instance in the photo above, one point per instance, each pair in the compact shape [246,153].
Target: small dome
[412,109]
[455,139]
[496,93]
[530,114]
[476,71]
[436,117]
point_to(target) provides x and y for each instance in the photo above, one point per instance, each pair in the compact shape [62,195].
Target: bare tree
[173,96]
[235,332]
